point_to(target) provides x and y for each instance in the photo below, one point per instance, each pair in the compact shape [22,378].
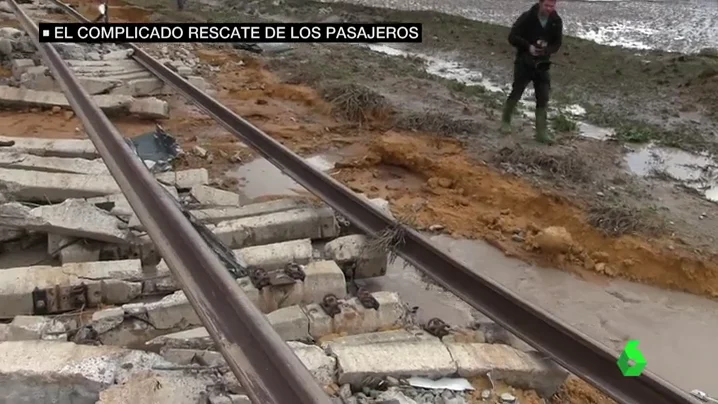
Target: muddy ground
[431,145]
[650,94]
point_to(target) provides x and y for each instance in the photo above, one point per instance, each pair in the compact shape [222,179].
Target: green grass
[635,134]
[563,124]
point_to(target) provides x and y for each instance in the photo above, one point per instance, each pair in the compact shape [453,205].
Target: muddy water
[697,172]
[260,178]
[640,24]
[677,331]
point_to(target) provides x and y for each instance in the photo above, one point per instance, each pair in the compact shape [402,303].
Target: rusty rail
[263,363]
[570,348]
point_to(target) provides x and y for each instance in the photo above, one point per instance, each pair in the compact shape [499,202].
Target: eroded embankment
[470,199]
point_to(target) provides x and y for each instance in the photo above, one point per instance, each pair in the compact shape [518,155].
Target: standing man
[536,35]
[104,16]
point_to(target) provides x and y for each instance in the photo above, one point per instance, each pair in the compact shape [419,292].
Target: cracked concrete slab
[216,215]
[354,318]
[321,278]
[355,253]
[107,282]
[305,322]
[72,249]
[185,179]
[35,327]
[208,196]
[392,353]
[24,97]
[221,214]
[268,256]
[24,185]
[25,161]
[49,371]
[66,148]
[73,218]
[318,223]
[516,368]
[149,388]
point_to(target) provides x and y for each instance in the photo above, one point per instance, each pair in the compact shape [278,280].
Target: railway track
[259,358]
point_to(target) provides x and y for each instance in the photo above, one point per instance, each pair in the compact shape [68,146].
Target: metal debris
[259,277]
[156,149]
[330,305]
[437,327]
[295,271]
[445,383]
[367,300]
[59,299]
[375,383]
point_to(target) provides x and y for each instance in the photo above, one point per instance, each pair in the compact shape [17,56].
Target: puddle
[698,172]
[594,132]
[454,71]
[260,178]
[695,171]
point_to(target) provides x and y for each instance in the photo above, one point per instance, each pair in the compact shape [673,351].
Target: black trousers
[524,74]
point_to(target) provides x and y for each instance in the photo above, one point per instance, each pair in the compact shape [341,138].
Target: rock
[508,398]
[35,327]
[396,396]
[554,239]
[71,50]
[105,320]
[9,32]
[319,364]
[5,47]
[345,391]
[452,400]
[200,151]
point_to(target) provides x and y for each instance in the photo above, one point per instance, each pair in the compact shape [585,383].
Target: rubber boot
[542,134]
[509,108]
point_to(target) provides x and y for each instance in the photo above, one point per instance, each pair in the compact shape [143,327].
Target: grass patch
[563,124]
[635,134]
[616,220]
[567,166]
[489,98]
[436,122]
[356,103]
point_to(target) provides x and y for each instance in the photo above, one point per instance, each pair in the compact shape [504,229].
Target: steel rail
[570,348]
[263,363]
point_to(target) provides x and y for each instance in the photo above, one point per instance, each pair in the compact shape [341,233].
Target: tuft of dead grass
[616,220]
[392,237]
[436,122]
[566,166]
[356,103]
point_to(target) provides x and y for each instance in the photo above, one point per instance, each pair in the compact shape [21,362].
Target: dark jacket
[527,30]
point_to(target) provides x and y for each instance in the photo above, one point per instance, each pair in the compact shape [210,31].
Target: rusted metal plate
[61,299]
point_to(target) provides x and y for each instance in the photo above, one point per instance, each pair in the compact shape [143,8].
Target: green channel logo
[631,362]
